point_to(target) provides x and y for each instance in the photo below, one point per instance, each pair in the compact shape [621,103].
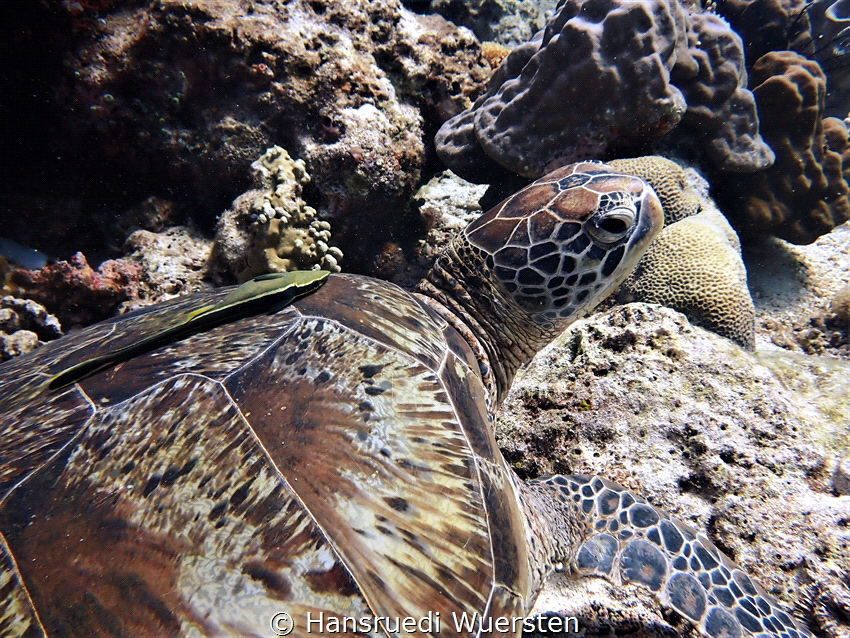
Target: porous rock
[742,446]
[805,193]
[508,22]
[24,325]
[446,204]
[270,228]
[171,263]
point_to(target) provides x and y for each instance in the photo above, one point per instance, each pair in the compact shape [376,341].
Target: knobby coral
[270,228]
[610,77]
[805,193]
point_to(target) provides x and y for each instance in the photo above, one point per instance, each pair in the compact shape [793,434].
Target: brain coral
[805,193]
[610,77]
[695,266]
[270,228]
[668,180]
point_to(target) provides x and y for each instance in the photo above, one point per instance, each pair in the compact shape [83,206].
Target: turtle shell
[335,459]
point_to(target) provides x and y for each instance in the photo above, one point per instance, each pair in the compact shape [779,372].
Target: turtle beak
[649,223]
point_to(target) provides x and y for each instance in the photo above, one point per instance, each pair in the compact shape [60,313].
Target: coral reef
[508,22]
[721,113]
[270,228]
[580,90]
[24,325]
[695,266]
[204,87]
[840,308]
[530,117]
[74,292]
[154,215]
[446,204]
[744,447]
[768,25]
[804,194]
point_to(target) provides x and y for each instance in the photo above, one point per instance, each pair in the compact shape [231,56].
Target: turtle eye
[612,225]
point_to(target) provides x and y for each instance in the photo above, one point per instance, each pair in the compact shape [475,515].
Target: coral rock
[203,87]
[270,228]
[695,266]
[24,325]
[171,263]
[77,294]
[508,22]
[16,344]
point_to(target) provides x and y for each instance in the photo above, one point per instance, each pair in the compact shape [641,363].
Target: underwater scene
[425,318]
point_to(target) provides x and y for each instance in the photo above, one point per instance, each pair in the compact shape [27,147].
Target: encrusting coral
[75,292]
[581,89]
[270,228]
[530,116]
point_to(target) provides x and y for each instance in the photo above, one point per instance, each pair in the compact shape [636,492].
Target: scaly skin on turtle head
[544,257]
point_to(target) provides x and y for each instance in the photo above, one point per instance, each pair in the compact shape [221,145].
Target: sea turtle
[315,453]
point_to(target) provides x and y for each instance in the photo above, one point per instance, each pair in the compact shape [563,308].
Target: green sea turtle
[314,453]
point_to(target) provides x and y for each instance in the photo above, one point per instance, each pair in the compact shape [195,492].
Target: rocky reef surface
[751,447]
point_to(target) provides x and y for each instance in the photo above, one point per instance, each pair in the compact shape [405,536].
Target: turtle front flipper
[626,540]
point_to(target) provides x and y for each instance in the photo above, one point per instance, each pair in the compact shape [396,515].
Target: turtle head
[562,244]
[542,258]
